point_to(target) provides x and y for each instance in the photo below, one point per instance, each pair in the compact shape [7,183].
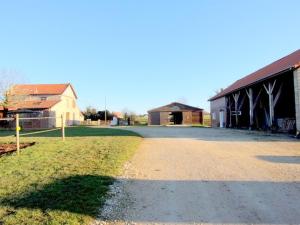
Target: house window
[43,98]
[74,104]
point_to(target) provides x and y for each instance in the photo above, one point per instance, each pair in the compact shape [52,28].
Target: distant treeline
[94,115]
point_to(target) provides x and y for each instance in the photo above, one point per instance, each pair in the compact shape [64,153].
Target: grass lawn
[55,182]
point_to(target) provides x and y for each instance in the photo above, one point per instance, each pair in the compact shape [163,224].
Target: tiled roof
[174,107]
[46,104]
[291,61]
[118,114]
[40,89]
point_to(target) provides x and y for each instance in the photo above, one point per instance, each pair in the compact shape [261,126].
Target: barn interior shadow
[173,201]
[280,159]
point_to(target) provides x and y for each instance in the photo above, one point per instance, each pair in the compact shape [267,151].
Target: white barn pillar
[297,97]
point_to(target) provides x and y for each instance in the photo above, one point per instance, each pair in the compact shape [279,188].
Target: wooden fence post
[18,133]
[62,127]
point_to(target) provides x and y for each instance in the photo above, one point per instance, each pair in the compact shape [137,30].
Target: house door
[222,119]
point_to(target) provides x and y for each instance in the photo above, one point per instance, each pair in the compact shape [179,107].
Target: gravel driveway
[208,176]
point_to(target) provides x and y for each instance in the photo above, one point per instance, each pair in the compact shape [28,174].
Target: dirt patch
[11,147]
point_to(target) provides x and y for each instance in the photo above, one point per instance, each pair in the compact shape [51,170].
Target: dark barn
[175,114]
[268,99]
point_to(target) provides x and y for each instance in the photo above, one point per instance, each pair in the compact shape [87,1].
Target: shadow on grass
[188,201]
[83,132]
[280,159]
[77,194]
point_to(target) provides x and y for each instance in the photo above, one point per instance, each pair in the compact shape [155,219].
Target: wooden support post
[230,113]
[62,127]
[251,109]
[277,95]
[18,133]
[227,102]
[256,99]
[255,102]
[251,106]
[269,91]
[236,101]
[241,103]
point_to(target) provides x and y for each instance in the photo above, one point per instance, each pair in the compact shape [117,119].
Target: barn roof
[175,107]
[41,89]
[289,62]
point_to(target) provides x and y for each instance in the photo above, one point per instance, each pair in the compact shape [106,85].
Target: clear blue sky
[143,54]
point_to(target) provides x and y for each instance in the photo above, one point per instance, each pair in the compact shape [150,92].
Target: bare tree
[8,78]
[219,91]
[128,114]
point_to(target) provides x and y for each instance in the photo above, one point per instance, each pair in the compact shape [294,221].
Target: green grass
[4,133]
[55,182]
[70,132]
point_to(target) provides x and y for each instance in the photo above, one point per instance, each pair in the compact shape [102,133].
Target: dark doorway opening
[176,118]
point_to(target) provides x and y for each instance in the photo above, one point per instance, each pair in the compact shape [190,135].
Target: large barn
[175,114]
[266,99]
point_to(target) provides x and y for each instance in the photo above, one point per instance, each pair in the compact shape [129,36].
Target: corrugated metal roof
[175,107]
[291,61]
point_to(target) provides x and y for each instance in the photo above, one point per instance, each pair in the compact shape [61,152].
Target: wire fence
[36,124]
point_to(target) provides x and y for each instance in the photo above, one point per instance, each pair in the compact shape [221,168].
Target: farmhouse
[266,99]
[44,100]
[175,113]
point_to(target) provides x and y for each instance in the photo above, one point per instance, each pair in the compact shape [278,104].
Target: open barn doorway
[176,118]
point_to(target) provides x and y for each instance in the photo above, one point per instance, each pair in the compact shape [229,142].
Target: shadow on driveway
[280,159]
[179,201]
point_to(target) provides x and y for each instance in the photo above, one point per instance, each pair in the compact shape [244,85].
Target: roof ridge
[43,84]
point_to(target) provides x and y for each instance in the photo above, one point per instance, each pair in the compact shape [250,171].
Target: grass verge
[55,182]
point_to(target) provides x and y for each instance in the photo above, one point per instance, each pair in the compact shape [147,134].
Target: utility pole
[105,115]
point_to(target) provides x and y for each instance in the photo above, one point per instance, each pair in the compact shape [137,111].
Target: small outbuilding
[175,114]
[266,99]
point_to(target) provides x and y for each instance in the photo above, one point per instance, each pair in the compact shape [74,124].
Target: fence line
[37,118]
[39,132]
[18,128]
[7,119]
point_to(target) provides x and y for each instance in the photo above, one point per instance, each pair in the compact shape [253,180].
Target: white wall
[69,108]
[215,107]
[297,96]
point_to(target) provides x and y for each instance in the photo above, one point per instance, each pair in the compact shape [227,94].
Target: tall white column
[297,97]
